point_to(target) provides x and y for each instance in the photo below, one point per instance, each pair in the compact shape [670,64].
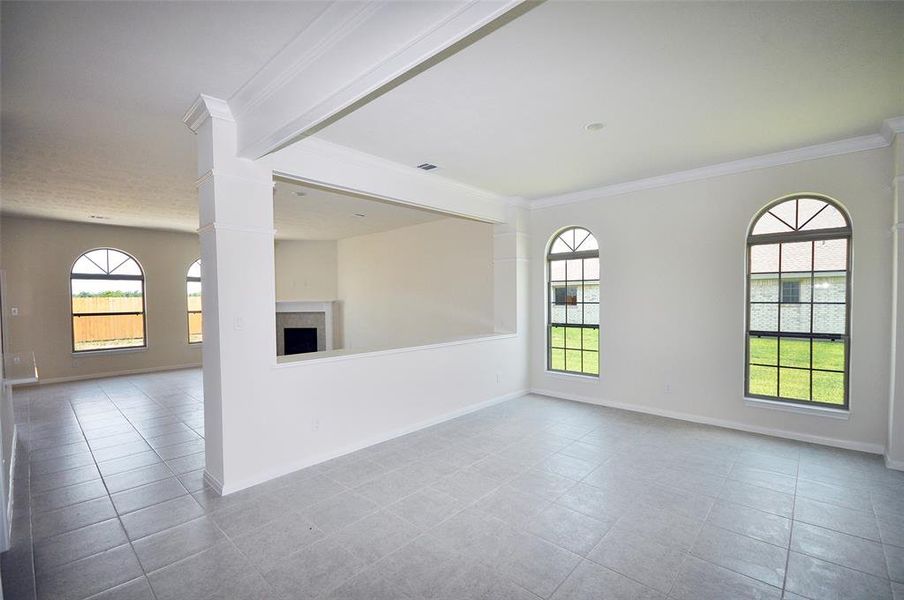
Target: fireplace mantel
[326,307]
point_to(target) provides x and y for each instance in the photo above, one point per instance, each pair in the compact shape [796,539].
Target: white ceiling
[679,85]
[327,215]
[94,92]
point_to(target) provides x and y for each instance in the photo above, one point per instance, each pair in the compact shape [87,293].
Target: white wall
[306,270]
[425,283]
[37,255]
[672,295]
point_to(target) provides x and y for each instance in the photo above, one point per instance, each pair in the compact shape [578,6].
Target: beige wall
[672,293]
[425,283]
[37,256]
[306,270]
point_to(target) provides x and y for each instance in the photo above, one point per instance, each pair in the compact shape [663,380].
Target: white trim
[801,409]
[775,159]
[572,376]
[681,416]
[103,351]
[295,360]
[319,458]
[891,463]
[203,108]
[213,483]
[118,373]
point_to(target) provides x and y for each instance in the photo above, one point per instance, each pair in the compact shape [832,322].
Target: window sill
[817,411]
[572,375]
[110,351]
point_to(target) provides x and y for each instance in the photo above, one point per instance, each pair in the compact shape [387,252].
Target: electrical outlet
[315,424]
[498,377]
[668,388]
[14,311]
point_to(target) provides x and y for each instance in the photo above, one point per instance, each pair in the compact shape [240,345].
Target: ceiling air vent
[426,167]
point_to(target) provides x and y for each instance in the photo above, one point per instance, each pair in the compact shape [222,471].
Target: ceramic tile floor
[533,498]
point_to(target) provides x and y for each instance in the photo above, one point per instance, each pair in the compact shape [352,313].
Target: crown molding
[206,107]
[890,128]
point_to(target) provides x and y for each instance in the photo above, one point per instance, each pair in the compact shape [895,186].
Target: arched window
[107,289]
[573,321]
[193,290]
[798,293]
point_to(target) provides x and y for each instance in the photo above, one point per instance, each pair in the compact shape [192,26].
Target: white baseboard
[269,474]
[213,482]
[897,465]
[116,373]
[681,416]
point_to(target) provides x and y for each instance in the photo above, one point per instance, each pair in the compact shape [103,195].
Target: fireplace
[299,340]
[304,314]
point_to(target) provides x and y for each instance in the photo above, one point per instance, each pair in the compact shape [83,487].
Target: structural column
[235,202]
[894,454]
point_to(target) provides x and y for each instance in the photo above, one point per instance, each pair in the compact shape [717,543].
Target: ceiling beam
[350,53]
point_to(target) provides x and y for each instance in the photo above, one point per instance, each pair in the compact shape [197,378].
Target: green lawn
[567,353]
[795,383]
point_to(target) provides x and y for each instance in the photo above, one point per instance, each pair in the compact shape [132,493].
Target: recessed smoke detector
[426,167]
[359,215]
[594,126]
[300,193]
[99,217]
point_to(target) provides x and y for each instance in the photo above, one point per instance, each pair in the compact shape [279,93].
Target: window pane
[828,387]
[590,243]
[591,363]
[763,381]
[764,317]
[559,247]
[195,269]
[591,314]
[797,256]
[557,313]
[830,255]
[581,236]
[194,327]
[591,338]
[795,318]
[829,318]
[591,268]
[557,270]
[769,224]
[574,314]
[828,354]
[764,350]
[104,295]
[829,218]
[794,383]
[591,292]
[574,270]
[830,287]
[795,288]
[764,258]
[807,208]
[787,212]
[558,359]
[557,337]
[123,264]
[573,337]
[108,331]
[85,265]
[573,360]
[794,352]
[764,288]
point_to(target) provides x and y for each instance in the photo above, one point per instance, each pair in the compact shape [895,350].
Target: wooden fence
[94,331]
[88,330]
